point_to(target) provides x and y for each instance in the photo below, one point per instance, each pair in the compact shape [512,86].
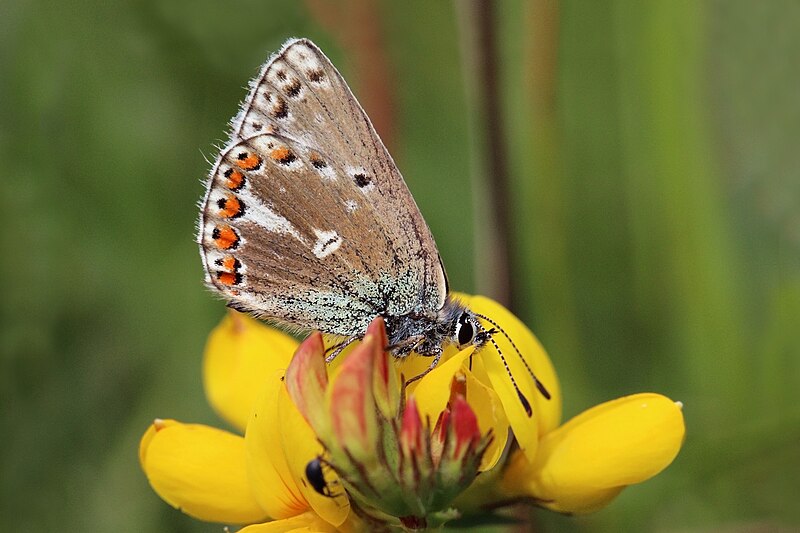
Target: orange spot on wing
[225,237]
[283,155]
[249,162]
[229,263]
[231,207]
[235,179]
[228,278]
[279,154]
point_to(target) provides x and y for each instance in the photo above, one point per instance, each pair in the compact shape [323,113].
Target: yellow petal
[519,412]
[583,464]
[305,523]
[274,486]
[433,393]
[489,409]
[301,445]
[415,364]
[199,470]
[240,354]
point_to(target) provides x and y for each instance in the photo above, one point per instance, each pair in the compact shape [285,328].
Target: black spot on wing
[361,179]
[293,89]
[280,109]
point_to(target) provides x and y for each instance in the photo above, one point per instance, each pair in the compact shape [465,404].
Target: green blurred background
[652,152]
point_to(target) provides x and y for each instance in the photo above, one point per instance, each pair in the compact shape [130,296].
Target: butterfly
[307,222]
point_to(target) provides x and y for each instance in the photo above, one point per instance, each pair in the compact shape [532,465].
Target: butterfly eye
[465,330]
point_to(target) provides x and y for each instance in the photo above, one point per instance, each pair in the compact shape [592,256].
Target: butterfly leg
[336,349]
[437,356]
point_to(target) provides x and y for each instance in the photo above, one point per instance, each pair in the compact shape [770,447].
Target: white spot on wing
[265,217]
[327,243]
[351,205]
[326,172]
[304,59]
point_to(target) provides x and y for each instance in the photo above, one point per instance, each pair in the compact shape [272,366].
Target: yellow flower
[346,447]
[218,476]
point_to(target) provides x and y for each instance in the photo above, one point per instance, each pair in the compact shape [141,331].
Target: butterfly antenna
[523,400]
[538,383]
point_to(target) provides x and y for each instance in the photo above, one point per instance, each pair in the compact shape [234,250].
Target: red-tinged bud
[416,470]
[351,404]
[411,432]
[386,385]
[389,462]
[464,427]
[461,449]
[307,379]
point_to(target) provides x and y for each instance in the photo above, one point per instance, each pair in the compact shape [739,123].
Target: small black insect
[316,477]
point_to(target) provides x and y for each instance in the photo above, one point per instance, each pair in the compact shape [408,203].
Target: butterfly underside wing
[306,220]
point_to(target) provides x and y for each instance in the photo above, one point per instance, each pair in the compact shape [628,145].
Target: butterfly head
[468,328]
[469,332]
[460,326]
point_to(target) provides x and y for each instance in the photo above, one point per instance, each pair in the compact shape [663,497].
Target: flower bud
[392,464]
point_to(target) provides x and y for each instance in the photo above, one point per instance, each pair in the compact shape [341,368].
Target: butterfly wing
[306,220]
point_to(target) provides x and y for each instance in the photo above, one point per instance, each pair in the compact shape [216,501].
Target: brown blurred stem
[479,45]
[357,25]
